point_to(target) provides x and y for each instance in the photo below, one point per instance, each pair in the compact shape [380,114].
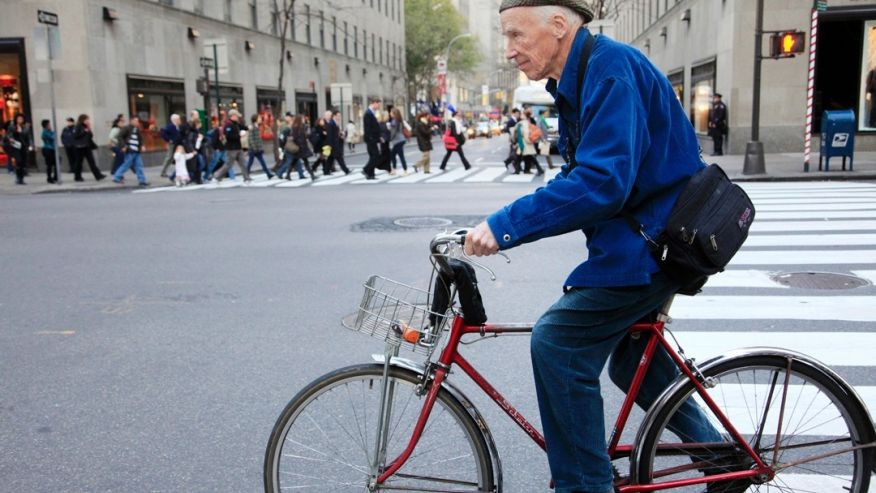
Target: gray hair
[546,12]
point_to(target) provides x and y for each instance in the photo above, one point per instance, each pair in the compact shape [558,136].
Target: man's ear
[559,26]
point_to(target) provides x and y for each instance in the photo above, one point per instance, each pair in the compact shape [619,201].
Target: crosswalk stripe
[831,348]
[869,275]
[266,183]
[378,178]
[323,182]
[521,178]
[770,216]
[812,240]
[805,186]
[452,175]
[825,194]
[733,278]
[412,178]
[803,257]
[759,226]
[708,307]
[814,207]
[486,175]
[154,190]
[817,200]
[300,182]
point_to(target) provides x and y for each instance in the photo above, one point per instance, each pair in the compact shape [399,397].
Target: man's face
[375,105]
[70,123]
[532,43]
[327,115]
[135,122]
[716,100]
[175,119]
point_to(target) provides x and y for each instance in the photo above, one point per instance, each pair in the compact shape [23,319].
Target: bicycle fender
[797,358]
[420,369]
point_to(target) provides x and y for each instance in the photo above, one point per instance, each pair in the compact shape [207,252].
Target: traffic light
[787,44]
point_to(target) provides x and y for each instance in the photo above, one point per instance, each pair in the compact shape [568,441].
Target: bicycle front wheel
[797,418]
[326,437]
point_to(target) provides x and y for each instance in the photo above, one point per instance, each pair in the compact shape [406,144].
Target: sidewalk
[779,167]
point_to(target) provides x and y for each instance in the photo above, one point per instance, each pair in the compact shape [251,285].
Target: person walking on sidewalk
[131,139]
[512,142]
[527,140]
[115,145]
[718,124]
[48,137]
[423,131]
[256,146]
[171,134]
[293,139]
[336,142]
[352,135]
[194,142]
[19,137]
[373,137]
[67,142]
[83,140]
[398,137]
[543,147]
[233,148]
[319,140]
[454,138]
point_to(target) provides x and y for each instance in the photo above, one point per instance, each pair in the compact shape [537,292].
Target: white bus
[538,99]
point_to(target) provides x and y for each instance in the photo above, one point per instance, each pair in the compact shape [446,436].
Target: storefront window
[676,79]
[153,101]
[867,105]
[231,98]
[702,81]
[270,106]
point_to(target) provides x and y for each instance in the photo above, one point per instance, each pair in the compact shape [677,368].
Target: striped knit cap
[579,6]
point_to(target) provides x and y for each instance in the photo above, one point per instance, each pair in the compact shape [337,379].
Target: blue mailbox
[837,137]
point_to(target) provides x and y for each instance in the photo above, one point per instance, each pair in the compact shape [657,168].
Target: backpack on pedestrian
[534,133]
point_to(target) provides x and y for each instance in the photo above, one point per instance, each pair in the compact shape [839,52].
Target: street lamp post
[447,53]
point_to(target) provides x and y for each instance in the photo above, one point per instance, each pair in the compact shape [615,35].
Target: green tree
[429,26]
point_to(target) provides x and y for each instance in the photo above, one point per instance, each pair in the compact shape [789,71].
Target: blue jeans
[260,155]
[398,150]
[118,158]
[131,158]
[288,160]
[218,156]
[570,345]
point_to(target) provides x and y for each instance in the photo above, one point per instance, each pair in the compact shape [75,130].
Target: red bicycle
[789,422]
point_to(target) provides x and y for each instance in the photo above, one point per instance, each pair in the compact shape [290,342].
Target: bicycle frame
[450,356]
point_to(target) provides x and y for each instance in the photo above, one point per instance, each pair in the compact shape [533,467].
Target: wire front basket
[400,314]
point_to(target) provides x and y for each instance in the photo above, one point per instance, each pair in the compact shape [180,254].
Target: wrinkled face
[174,119]
[532,42]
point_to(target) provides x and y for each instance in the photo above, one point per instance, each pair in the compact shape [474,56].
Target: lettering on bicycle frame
[516,416]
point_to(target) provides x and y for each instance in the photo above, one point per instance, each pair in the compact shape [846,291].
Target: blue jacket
[637,149]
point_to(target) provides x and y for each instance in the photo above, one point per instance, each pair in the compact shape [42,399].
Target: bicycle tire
[286,468]
[739,377]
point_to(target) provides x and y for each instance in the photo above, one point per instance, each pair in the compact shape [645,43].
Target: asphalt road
[149,341]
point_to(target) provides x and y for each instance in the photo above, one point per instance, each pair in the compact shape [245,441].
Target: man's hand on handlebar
[480,241]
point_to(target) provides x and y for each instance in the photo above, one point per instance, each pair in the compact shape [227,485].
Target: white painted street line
[817,200]
[761,226]
[478,160]
[831,348]
[267,183]
[413,178]
[832,194]
[156,189]
[811,240]
[297,182]
[813,207]
[743,279]
[804,257]
[805,185]
[323,182]
[848,308]
[869,275]
[487,175]
[453,175]
[737,400]
[550,174]
[521,178]
[229,183]
[378,178]
[769,216]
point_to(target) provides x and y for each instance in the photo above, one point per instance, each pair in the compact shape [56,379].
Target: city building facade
[707,47]
[145,57]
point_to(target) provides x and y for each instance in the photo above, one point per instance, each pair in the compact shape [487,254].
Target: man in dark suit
[509,129]
[336,142]
[718,124]
[372,136]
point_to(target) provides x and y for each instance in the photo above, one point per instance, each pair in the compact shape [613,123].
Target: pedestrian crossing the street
[489,173]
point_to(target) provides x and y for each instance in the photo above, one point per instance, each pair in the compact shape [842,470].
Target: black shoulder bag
[708,223]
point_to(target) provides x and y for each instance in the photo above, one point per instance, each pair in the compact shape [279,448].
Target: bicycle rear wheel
[813,419]
[325,439]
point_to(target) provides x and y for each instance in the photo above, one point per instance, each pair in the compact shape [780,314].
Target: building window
[275,22]
[307,22]
[702,86]
[227,10]
[356,42]
[321,30]
[271,104]
[346,40]
[676,79]
[334,34]
[373,48]
[254,14]
[199,7]
[169,3]
[153,101]
[380,41]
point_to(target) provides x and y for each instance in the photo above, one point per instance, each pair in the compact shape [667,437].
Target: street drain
[819,280]
[422,222]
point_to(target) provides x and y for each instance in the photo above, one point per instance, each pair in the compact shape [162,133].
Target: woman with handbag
[454,138]
[293,138]
[83,141]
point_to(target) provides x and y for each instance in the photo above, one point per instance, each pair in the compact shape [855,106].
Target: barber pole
[810,92]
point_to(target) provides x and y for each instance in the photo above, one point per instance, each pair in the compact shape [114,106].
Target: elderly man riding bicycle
[631,148]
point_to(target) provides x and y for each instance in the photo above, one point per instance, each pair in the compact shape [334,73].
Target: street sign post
[207,63]
[50,20]
[442,66]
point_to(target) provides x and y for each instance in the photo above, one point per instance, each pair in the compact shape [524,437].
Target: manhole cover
[422,222]
[819,280]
